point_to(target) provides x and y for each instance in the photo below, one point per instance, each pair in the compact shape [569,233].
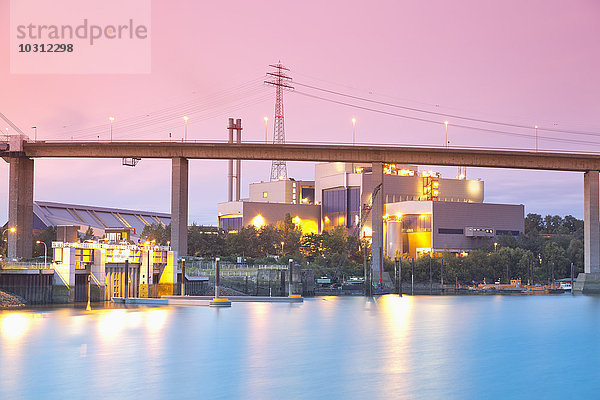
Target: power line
[524,135]
[447,115]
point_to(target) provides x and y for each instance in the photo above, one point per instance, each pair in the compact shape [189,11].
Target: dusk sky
[521,63]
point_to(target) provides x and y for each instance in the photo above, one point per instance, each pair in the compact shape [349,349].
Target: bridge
[20,154]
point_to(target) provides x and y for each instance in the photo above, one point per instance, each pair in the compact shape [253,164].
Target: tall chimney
[238,166]
[230,170]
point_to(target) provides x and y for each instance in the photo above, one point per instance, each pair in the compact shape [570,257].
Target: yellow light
[353,121]
[258,221]
[14,326]
[13,229]
[385,217]
[296,220]
[111,119]
[326,219]
[147,243]
[266,119]
[423,215]
[399,215]
[446,123]
[37,242]
[185,118]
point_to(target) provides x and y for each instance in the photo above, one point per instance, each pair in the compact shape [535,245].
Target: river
[410,347]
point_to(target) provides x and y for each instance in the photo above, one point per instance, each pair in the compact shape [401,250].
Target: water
[430,347]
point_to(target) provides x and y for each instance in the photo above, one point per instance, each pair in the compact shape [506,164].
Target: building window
[230,223]
[307,194]
[449,231]
[416,223]
[509,233]
[341,207]
[265,194]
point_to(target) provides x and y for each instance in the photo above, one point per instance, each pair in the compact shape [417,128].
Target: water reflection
[387,347]
[14,326]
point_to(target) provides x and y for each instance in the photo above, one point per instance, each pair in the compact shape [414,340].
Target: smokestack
[230,170]
[238,166]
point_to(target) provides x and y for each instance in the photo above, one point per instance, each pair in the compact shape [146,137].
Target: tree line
[548,247]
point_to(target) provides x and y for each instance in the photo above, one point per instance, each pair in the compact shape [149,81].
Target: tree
[89,234]
[533,222]
[575,254]
[290,235]
[269,240]
[554,258]
[159,233]
[47,236]
[206,241]
[310,246]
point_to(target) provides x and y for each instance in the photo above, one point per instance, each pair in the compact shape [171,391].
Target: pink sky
[529,63]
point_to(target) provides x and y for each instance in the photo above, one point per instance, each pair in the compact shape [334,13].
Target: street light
[111,119]
[353,130]
[185,122]
[446,124]
[266,121]
[282,248]
[495,246]
[45,251]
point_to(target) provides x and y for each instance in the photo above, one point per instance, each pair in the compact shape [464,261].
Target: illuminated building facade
[414,228]
[236,214]
[344,189]
[424,211]
[151,270]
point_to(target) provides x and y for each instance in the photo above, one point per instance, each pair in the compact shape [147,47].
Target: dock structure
[20,153]
[205,300]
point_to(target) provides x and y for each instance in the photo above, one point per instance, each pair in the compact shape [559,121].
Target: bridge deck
[316,153]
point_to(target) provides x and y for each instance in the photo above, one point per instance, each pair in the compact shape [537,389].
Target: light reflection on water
[328,347]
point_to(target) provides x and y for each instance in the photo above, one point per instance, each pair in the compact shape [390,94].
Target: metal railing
[26,265]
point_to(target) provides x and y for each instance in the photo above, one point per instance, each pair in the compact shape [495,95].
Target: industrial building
[114,266]
[47,214]
[420,227]
[424,212]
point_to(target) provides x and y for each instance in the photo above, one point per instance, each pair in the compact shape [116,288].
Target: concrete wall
[276,191]
[63,290]
[281,191]
[485,215]
[450,215]
[272,213]
[310,215]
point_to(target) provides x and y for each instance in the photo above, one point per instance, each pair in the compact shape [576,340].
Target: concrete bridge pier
[20,207]
[589,280]
[179,207]
[377,225]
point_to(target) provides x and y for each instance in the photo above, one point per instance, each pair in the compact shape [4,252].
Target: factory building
[415,228]
[424,211]
[114,266]
[47,214]
[269,202]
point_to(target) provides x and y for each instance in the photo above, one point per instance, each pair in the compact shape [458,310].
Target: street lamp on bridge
[111,119]
[185,122]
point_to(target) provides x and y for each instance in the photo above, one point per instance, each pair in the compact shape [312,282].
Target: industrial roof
[98,218]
